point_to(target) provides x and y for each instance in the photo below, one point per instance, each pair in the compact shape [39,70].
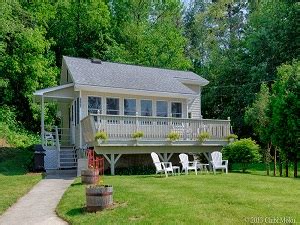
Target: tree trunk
[287,168]
[280,167]
[267,159]
[275,162]
[296,167]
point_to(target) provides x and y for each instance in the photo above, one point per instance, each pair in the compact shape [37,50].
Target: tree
[27,64]
[285,104]
[217,51]
[258,116]
[149,33]
[80,29]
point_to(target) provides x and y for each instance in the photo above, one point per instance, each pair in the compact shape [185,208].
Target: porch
[120,129]
[155,129]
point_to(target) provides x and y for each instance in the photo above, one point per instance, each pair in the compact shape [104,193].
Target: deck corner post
[112,164]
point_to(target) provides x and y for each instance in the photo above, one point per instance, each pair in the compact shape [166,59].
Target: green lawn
[15,186]
[14,180]
[202,199]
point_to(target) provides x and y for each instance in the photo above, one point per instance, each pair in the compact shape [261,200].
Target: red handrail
[95,162]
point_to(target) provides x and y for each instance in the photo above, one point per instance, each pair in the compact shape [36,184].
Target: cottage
[121,99]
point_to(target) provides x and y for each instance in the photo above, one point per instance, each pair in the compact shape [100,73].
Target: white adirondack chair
[161,167]
[218,163]
[186,164]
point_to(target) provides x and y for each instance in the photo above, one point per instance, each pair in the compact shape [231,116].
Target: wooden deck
[155,129]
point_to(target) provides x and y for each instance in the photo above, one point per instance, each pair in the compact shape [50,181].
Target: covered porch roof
[61,93]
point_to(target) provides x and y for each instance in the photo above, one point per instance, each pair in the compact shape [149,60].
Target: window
[94,105]
[162,108]
[112,106]
[130,107]
[146,107]
[176,108]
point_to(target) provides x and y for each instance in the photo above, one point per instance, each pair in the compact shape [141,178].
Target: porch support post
[112,161]
[160,156]
[169,157]
[208,157]
[112,164]
[43,120]
[165,157]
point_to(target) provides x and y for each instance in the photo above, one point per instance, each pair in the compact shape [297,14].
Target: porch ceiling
[62,93]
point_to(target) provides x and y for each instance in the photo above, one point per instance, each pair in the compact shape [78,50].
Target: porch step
[68,158]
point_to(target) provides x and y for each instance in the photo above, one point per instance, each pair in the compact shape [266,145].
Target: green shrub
[243,151]
[12,130]
[203,136]
[138,134]
[173,136]
[102,135]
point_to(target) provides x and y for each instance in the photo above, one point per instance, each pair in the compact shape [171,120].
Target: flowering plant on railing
[101,136]
[173,136]
[232,137]
[203,136]
[138,134]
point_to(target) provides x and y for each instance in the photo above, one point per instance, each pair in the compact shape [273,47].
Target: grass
[260,169]
[204,199]
[14,179]
[14,187]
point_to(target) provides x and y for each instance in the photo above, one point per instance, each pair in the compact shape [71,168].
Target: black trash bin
[39,155]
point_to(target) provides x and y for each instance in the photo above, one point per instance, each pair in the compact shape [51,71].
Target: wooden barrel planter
[90,176]
[98,197]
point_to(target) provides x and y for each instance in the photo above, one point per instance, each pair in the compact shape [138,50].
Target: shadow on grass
[15,161]
[76,184]
[76,211]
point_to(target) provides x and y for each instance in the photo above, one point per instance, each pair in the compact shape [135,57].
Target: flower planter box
[98,197]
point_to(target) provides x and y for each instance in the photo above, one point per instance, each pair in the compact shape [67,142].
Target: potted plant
[138,135]
[101,136]
[98,197]
[203,136]
[232,137]
[173,136]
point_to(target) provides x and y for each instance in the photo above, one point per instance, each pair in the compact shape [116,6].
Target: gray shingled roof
[118,75]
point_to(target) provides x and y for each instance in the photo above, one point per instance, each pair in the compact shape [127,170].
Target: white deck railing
[56,136]
[155,128]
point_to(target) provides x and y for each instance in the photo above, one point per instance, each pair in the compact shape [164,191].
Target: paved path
[38,206]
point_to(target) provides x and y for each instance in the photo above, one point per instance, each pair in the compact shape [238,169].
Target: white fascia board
[46,90]
[78,87]
[196,82]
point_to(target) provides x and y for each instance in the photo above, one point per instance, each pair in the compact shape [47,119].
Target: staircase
[68,158]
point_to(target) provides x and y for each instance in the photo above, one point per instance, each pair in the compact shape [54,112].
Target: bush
[244,151]
[12,130]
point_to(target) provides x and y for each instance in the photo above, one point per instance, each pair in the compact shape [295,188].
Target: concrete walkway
[38,206]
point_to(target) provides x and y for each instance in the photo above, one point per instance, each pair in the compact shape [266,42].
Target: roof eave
[84,87]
